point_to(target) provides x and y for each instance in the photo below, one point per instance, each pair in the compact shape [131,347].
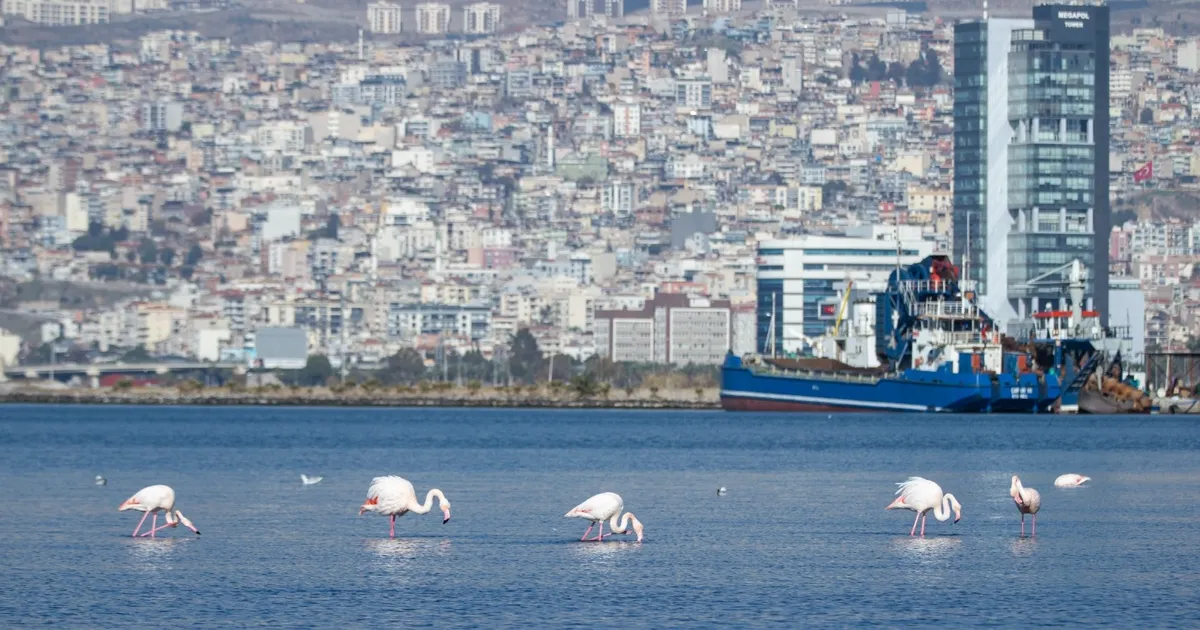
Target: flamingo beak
[446,514]
[957,515]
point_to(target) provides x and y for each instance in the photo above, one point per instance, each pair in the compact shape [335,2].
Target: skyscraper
[1031,156]
[981,157]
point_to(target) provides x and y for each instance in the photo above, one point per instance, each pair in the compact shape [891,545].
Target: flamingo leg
[1033,531]
[600,537]
[151,531]
[392,530]
[914,529]
[1022,523]
[589,530]
[135,529]
[922,526]
[154,525]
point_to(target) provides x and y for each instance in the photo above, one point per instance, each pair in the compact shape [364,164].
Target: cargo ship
[937,351]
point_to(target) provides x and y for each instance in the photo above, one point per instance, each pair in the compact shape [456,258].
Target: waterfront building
[1031,156]
[799,280]
[981,145]
[671,328]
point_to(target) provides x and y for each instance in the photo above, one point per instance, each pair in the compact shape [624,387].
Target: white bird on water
[394,496]
[1028,501]
[152,500]
[602,507]
[922,495]
[721,491]
[1070,480]
[308,481]
[100,480]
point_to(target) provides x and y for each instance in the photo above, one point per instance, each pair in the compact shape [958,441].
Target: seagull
[101,481]
[721,491]
[308,481]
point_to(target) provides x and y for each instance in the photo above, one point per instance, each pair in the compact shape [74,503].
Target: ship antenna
[967,259]
[771,328]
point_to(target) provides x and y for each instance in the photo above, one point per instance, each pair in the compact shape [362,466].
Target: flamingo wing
[599,507]
[390,494]
[1032,500]
[917,494]
[150,499]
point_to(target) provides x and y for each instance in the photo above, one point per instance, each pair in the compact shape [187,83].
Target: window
[858,252]
[770,252]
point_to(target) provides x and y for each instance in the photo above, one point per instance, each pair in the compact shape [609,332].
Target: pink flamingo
[1028,501]
[152,500]
[922,495]
[394,496]
[606,506]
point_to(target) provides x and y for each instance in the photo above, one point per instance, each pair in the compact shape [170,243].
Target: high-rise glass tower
[981,135]
[1031,156]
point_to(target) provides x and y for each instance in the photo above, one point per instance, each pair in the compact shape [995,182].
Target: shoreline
[342,400]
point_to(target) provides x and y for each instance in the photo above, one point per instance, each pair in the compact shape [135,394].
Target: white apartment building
[618,197]
[722,6]
[481,18]
[59,12]
[577,9]
[693,93]
[668,7]
[801,278]
[384,18]
[433,18]
[627,119]
[671,328]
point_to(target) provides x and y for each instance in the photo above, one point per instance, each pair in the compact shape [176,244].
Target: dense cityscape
[659,187]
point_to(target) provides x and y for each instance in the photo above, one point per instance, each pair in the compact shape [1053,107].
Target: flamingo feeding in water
[152,500]
[394,496]
[602,507]
[922,495]
[1070,480]
[1028,501]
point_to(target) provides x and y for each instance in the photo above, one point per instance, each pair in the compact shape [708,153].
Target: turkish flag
[1144,173]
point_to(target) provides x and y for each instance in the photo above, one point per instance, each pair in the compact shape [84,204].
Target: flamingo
[394,496]
[1070,480]
[606,506]
[152,500]
[1028,501]
[922,495]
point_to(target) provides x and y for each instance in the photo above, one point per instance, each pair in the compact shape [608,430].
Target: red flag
[1144,173]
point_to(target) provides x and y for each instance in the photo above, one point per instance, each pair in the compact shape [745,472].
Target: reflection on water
[925,550]
[1023,546]
[407,548]
[405,560]
[153,554]
[602,554]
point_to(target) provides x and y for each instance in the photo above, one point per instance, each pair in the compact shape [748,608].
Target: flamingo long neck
[623,526]
[942,511]
[424,509]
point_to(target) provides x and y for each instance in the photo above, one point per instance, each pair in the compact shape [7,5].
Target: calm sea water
[801,538]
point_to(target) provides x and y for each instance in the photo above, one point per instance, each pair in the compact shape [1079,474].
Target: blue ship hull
[746,389]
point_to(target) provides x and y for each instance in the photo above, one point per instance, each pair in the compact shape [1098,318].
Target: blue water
[801,538]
